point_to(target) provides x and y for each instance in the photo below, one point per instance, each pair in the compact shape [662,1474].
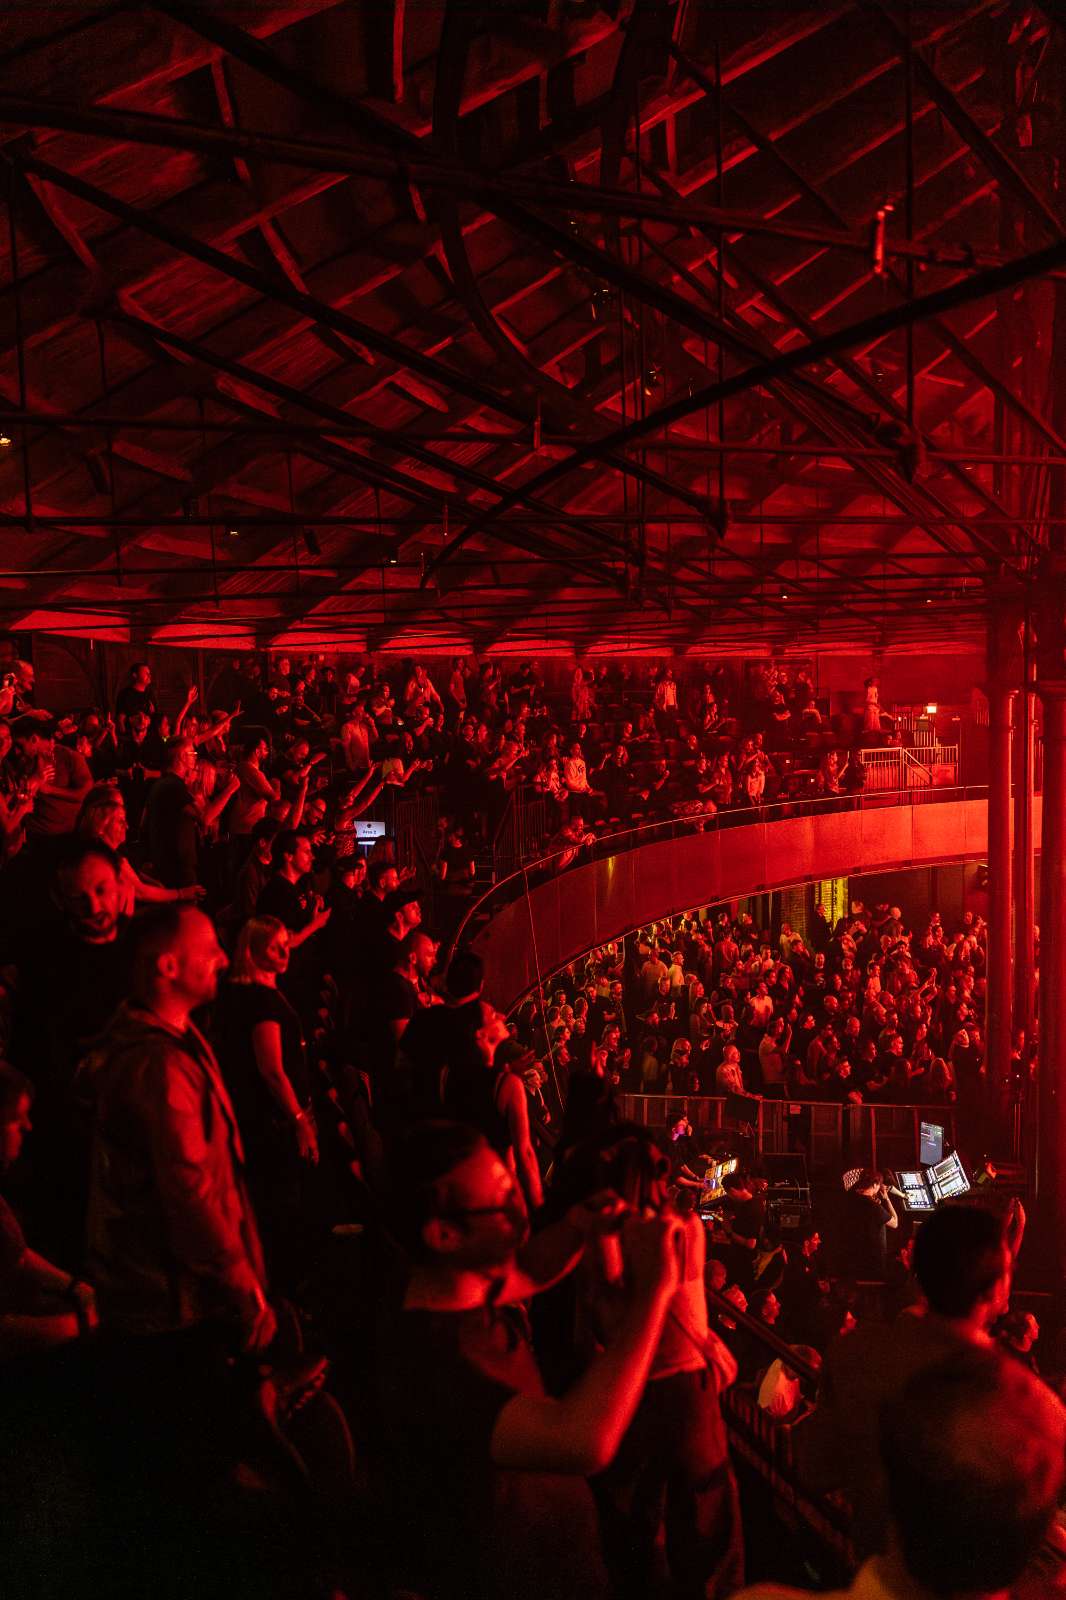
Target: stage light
[233,533]
[6,440]
[931,709]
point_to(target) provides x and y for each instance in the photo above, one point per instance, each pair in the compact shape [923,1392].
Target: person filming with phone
[489,1470]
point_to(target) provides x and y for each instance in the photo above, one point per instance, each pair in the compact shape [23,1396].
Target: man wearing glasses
[488,1468]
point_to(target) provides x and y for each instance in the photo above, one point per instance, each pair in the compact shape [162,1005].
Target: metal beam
[286,294]
[969,131]
[142,127]
[286,428]
[787,362]
[562,242]
[318,311]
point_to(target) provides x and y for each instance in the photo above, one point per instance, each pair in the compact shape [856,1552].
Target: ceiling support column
[1000,973]
[1051,1157]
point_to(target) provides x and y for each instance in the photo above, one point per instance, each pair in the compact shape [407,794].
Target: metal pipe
[366,430]
[369,521]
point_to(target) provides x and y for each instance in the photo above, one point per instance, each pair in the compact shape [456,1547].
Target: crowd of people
[251,1121]
[304,742]
[863,1010]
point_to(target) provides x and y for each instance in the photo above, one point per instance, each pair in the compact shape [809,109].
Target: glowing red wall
[589,905]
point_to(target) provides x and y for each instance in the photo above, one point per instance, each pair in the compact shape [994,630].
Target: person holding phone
[490,1471]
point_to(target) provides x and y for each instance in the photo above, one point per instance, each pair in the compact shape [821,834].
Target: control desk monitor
[948,1178]
[713,1178]
[930,1144]
[915,1191]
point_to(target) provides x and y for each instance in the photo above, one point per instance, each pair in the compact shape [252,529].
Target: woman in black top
[262,1056]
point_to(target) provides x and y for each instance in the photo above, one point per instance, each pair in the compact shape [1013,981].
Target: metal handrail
[735,817]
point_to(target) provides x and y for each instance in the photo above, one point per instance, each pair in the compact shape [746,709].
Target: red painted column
[1024,876]
[1000,884]
[1051,1163]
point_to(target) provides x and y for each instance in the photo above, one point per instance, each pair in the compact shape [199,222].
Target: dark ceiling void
[682,326]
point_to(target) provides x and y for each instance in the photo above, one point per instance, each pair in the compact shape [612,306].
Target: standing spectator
[869,1215]
[137,697]
[174,819]
[54,775]
[264,1065]
[103,817]
[172,1238]
[481,1090]
[963,1263]
[256,792]
[288,894]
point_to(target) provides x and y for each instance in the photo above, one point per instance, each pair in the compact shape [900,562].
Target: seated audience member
[172,1238]
[487,1471]
[781,1393]
[963,1263]
[40,1304]
[971,1453]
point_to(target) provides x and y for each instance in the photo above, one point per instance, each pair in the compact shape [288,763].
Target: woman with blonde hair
[263,1057]
[103,816]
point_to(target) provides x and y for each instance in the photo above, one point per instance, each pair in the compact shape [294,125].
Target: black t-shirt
[392,998]
[437,1037]
[864,1237]
[242,1006]
[291,903]
[129,701]
[472,1095]
[68,989]
[746,1218]
[173,834]
[396,998]
[469,1530]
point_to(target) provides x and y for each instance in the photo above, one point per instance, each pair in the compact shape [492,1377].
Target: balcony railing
[542,867]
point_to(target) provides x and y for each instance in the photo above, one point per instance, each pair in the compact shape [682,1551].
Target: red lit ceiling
[700,325]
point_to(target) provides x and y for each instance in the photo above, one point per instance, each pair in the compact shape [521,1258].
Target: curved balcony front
[562,914]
